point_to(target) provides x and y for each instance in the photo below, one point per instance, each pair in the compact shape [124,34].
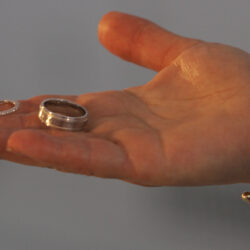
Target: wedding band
[13,109]
[63,114]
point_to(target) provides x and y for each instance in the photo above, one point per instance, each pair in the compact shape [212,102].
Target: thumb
[140,41]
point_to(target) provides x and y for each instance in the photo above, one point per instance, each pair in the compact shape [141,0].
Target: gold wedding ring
[63,114]
[13,107]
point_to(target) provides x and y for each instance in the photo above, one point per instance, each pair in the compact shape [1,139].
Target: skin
[190,125]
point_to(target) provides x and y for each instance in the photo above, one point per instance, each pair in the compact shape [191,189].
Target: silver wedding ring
[14,107]
[63,114]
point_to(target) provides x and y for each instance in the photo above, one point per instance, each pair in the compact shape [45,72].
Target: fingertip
[105,28]
[29,141]
[106,23]
[18,140]
[115,30]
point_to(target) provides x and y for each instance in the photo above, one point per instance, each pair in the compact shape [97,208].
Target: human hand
[190,125]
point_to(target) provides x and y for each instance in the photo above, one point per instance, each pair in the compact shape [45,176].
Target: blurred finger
[77,154]
[5,155]
[140,41]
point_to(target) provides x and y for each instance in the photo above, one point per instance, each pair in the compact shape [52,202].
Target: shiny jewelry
[14,108]
[246,197]
[63,114]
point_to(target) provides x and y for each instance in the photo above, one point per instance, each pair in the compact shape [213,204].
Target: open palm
[190,125]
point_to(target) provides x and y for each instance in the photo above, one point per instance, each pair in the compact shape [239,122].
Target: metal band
[11,110]
[55,113]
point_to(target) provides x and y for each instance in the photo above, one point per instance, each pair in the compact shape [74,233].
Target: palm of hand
[188,126]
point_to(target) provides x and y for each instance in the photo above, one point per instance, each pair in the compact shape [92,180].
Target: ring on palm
[63,114]
[13,107]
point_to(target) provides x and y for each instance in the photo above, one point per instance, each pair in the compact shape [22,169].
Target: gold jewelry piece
[63,114]
[14,108]
[246,197]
